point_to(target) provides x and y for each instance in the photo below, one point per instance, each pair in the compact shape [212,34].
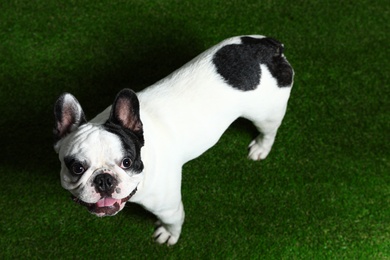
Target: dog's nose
[104,182]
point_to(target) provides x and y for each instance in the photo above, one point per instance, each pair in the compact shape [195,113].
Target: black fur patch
[124,121]
[131,143]
[239,64]
[69,161]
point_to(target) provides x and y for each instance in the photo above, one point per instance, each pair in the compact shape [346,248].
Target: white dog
[135,149]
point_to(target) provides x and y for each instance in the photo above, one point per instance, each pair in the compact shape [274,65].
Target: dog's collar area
[130,195]
[109,210]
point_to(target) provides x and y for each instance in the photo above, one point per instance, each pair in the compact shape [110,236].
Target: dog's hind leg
[260,147]
[267,121]
[266,113]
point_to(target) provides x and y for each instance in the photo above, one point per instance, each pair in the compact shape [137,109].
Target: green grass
[323,192]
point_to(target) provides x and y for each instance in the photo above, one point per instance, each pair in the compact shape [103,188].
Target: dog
[135,149]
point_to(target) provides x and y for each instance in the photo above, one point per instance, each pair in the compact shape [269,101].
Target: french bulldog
[135,149]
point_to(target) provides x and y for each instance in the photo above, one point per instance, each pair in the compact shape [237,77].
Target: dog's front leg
[168,226]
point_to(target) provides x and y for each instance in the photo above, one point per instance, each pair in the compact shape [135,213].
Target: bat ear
[68,115]
[125,111]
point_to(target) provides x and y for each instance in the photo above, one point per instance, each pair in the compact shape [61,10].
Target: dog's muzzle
[106,206]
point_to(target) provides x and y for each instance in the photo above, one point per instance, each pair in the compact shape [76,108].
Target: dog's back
[244,76]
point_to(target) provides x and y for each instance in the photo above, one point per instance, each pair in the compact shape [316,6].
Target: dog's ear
[125,111]
[68,115]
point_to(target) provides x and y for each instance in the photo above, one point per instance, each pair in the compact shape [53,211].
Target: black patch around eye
[75,166]
[131,144]
[69,160]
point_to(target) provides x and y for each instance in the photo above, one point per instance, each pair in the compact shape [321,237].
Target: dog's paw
[163,236]
[258,151]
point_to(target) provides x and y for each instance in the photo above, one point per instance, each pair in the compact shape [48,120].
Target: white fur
[183,115]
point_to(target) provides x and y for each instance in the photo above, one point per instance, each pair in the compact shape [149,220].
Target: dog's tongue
[107,202]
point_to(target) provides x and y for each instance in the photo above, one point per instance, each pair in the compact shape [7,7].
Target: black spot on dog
[131,144]
[239,64]
[125,123]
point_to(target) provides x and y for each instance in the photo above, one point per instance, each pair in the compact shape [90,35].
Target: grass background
[323,192]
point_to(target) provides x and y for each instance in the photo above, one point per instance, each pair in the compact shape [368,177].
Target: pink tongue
[107,202]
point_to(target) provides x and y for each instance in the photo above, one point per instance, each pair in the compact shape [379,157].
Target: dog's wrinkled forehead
[93,142]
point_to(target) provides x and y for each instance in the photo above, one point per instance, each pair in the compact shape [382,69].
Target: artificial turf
[323,192]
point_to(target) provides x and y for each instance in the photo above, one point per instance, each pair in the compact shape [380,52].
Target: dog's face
[100,163]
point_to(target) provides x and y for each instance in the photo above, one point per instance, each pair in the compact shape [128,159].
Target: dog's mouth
[105,206]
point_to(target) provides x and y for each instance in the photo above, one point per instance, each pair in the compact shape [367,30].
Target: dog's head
[100,163]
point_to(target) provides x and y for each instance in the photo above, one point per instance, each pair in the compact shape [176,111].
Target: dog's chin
[106,206]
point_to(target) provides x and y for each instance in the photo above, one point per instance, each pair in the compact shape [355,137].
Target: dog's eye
[78,168]
[126,163]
